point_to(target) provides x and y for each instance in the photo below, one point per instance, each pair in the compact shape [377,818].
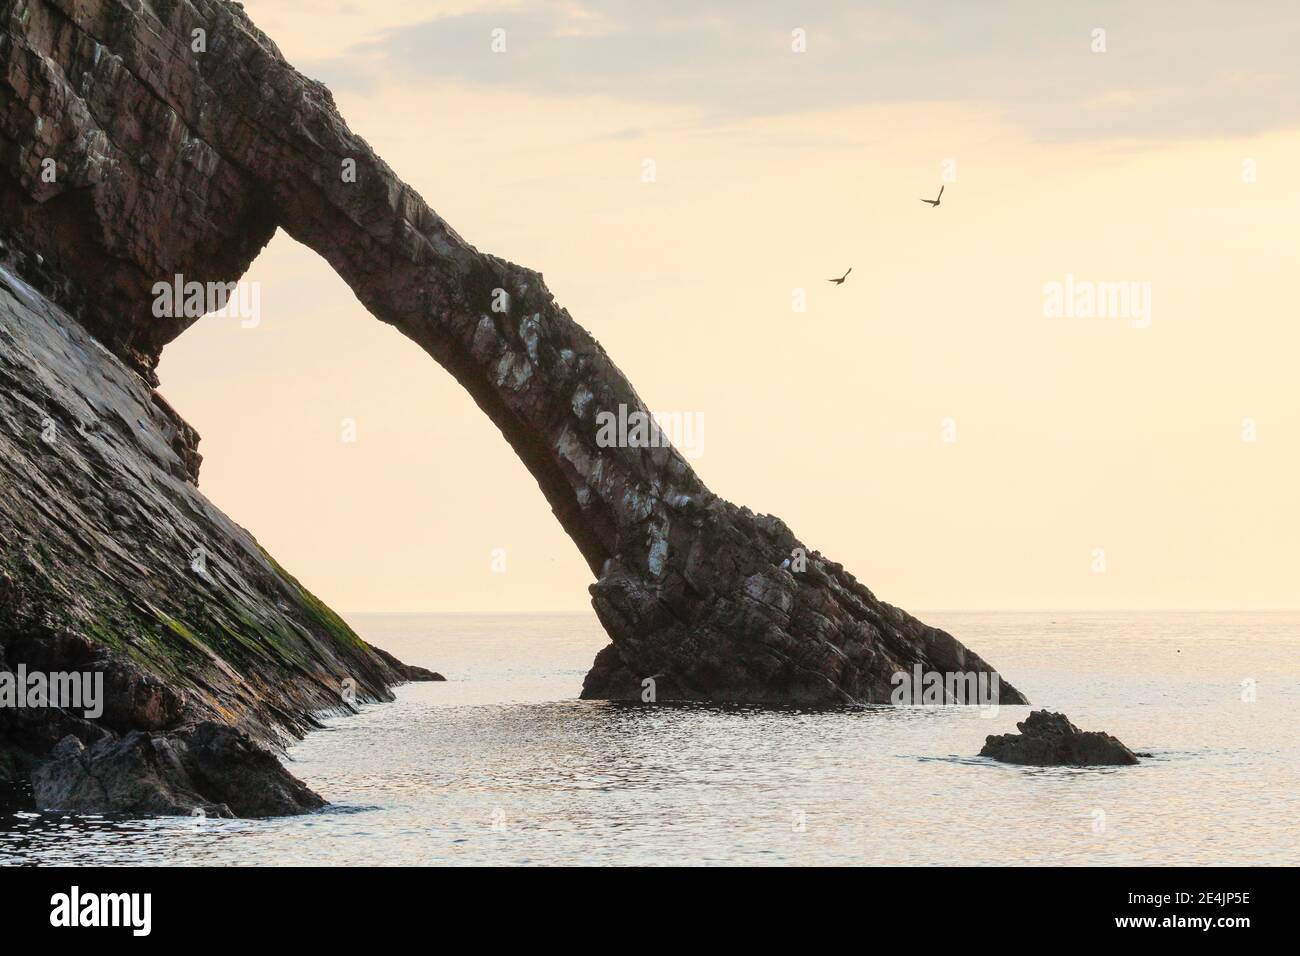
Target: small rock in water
[1050,740]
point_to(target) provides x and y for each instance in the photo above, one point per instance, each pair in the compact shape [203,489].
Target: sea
[503,765]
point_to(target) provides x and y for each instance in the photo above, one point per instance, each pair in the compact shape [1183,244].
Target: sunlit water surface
[504,765]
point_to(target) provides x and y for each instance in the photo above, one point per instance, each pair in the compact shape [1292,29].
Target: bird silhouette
[935,201]
[840,280]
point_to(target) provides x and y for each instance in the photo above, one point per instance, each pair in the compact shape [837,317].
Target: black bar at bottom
[944,906]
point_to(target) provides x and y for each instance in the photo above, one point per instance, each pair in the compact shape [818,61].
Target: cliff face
[181,139]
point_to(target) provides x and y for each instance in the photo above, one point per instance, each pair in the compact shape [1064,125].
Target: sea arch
[185,140]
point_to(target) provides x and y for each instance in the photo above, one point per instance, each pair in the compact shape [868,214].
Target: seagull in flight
[840,280]
[934,203]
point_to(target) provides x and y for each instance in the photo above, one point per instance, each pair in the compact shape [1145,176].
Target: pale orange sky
[1071,434]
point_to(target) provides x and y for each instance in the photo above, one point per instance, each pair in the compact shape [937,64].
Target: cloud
[1170,70]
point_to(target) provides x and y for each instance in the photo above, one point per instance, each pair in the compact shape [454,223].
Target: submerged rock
[1048,740]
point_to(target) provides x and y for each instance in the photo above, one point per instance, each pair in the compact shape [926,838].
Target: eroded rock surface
[1049,740]
[178,161]
[211,768]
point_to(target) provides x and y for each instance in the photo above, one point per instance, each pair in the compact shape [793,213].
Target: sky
[955,423]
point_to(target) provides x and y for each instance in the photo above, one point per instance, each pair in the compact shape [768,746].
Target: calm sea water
[504,765]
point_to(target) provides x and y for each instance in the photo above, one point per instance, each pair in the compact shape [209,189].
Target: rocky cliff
[113,563]
[180,140]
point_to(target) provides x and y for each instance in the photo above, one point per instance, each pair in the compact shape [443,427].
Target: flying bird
[840,280]
[935,201]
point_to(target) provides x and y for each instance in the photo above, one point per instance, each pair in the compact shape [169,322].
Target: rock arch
[173,161]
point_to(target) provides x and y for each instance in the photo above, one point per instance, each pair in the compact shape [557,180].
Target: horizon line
[922,611]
